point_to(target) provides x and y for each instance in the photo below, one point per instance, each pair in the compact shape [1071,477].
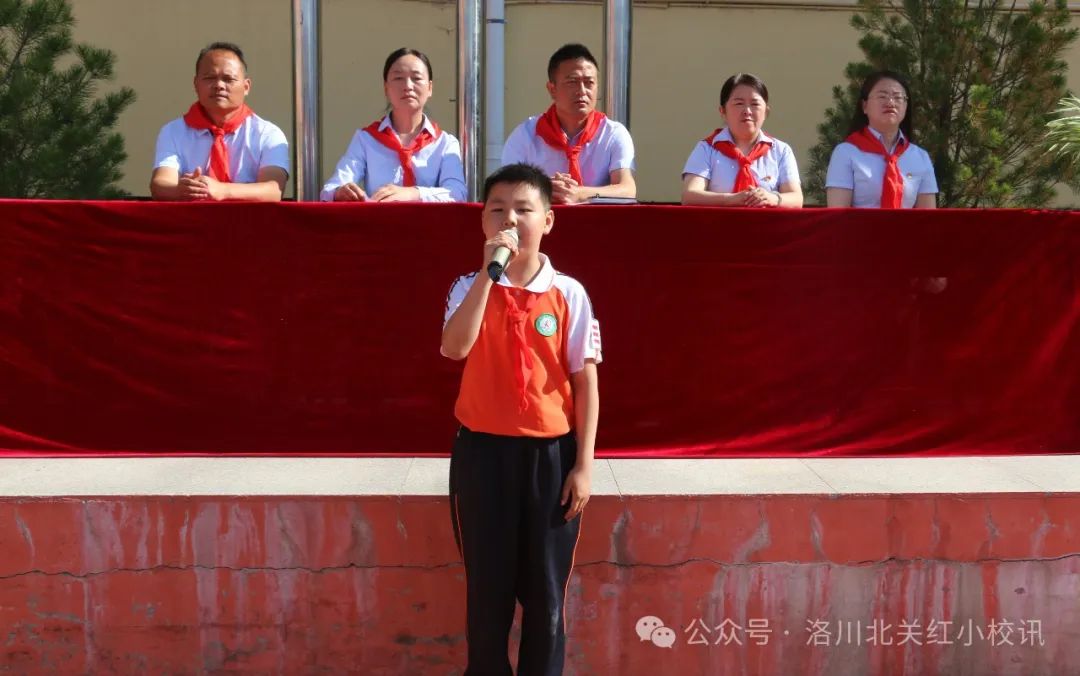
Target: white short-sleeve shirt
[440,175]
[773,169]
[254,145]
[611,149]
[862,174]
[583,331]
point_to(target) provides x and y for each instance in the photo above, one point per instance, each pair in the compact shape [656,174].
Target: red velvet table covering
[133,327]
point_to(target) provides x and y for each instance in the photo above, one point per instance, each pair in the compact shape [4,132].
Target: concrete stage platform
[327,565]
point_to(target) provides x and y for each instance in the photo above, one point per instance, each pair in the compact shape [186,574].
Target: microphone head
[501,258]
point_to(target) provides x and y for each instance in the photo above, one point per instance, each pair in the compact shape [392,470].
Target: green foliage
[56,137]
[984,75]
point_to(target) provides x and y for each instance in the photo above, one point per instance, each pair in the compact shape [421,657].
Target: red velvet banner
[131,327]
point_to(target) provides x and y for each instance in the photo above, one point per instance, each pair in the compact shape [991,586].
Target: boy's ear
[549,220]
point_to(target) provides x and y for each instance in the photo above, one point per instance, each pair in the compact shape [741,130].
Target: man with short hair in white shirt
[586,154]
[220,149]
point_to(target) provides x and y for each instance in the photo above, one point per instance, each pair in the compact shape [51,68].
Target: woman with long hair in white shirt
[404,157]
[878,164]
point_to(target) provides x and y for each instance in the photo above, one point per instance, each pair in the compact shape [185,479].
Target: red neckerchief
[549,129]
[745,178]
[517,317]
[389,138]
[196,118]
[892,185]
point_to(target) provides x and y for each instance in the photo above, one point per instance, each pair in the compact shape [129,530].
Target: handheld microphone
[501,257]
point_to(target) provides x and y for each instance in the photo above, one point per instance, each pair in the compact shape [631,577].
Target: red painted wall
[373,585]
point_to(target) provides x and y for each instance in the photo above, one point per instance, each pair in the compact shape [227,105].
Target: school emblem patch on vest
[546,325]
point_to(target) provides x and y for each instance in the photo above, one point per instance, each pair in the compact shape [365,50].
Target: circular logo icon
[546,325]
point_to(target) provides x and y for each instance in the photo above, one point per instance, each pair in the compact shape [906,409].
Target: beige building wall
[357,36]
[681,56]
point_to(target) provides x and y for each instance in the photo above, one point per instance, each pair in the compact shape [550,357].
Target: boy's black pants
[509,525]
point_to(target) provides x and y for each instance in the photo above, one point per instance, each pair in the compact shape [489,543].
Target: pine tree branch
[15,64]
[966,84]
[1005,25]
[56,130]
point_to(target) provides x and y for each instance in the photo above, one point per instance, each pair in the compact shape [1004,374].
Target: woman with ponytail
[739,165]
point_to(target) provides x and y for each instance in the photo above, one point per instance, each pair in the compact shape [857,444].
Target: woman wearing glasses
[404,157]
[878,165]
[739,165]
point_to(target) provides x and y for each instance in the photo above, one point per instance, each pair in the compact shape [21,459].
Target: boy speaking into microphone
[521,465]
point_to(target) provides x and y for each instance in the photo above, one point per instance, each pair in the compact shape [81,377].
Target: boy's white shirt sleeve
[583,334]
[456,296]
